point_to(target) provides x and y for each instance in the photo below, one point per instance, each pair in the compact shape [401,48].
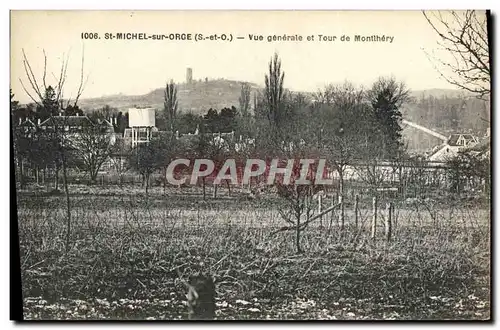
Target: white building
[455,143]
[142,125]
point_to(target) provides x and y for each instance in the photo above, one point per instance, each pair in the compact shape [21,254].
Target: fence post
[388,222]
[374,216]
[356,206]
[320,209]
[332,213]
[341,212]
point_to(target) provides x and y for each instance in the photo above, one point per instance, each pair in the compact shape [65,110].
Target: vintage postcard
[251,165]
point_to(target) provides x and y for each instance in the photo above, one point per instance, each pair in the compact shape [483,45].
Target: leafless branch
[29,94]
[81,87]
[62,79]
[31,76]
[36,91]
[44,70]
[465,39]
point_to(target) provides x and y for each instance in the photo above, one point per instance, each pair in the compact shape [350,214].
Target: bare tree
[94,145]
[298,203]
[340,137]
[50,99]
[39,89]
[464,36]
[213,147]
[345,93]
[119,157]
[146,158]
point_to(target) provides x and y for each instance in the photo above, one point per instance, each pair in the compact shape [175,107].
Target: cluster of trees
[41,111]
[469,169]
[344,124]
[51,146]
[117,118]
[56,145]
[450,114]
[465,38]
[213,121]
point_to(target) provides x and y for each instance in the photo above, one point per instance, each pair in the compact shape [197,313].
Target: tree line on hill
[450,114]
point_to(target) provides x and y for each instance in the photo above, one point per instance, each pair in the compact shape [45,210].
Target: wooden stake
[320,209]
[374,217]
[341,212]
[356,205]
[388,222]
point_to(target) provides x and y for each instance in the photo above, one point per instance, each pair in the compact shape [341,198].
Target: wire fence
[130,207]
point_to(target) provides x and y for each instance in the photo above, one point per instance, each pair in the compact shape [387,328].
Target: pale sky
[138,66]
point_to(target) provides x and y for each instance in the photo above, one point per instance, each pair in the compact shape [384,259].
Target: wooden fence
[339,204]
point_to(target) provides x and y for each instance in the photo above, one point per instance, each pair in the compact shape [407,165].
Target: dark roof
[452,141]
[67,121]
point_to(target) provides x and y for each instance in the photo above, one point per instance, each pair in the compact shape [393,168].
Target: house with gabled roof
[70,124]
[462,140]
[450,149]
[27,126]
[73,126]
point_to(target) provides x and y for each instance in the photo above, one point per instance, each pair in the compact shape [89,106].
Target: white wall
[141,117]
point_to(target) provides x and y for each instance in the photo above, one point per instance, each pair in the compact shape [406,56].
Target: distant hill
[199,96]
[196,97]
[439,93]
[431,108]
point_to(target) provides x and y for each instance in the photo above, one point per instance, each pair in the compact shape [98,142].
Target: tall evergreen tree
[170,105]
[386,98]
[49,105]
[274,93]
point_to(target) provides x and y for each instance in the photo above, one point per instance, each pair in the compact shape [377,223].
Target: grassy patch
[121,266]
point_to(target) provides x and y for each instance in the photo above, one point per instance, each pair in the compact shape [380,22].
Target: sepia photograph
[189,165]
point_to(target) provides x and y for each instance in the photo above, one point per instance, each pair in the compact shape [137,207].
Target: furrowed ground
[127,250]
